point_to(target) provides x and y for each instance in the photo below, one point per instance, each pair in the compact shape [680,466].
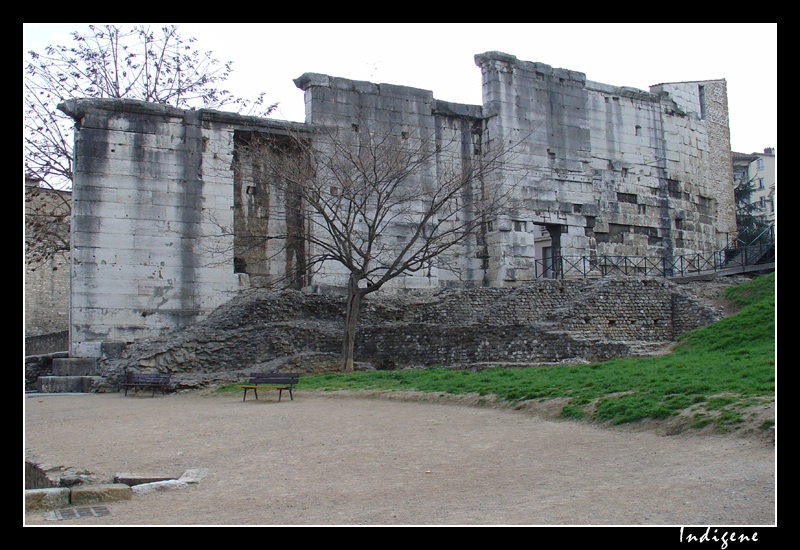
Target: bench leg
[280,394]
[255,391]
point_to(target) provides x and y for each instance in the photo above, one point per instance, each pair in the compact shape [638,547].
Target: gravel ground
[342,459]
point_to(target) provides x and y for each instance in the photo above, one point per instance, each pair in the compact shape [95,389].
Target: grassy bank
[712,375]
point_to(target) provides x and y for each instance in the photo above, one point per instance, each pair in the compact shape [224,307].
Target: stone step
[67,384]
[81,495]
[70,375]
[75,366]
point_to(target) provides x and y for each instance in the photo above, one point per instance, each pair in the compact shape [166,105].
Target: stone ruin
[543,322]
[163,198]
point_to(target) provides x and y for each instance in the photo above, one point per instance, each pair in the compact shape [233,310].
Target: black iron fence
[733,257]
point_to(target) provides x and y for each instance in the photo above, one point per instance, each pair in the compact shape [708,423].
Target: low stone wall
[545,321]
[542,322]
[646,309]
[466,345]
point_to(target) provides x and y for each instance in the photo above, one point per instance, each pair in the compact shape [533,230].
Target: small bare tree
[381,203]
[110,61]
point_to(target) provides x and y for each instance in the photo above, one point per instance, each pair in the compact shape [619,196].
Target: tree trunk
[354,296]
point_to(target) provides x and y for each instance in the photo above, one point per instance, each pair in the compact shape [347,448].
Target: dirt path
[326,459]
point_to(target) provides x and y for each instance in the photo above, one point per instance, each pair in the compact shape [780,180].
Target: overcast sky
[440,57]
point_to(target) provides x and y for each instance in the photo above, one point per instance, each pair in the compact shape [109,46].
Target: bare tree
[47,220]
[156,66]
[108,62]
[381,203]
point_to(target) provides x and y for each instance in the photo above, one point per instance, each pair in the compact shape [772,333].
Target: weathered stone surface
[67,384]
[159,203]
[193,475]
[47,499]
[71,479]
[544,321]
[74,366]
[92,494]
[167,485]
[144,484]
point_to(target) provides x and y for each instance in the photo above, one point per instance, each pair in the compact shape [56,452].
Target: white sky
[440,57]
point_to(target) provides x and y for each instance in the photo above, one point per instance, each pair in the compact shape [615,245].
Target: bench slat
[270,380]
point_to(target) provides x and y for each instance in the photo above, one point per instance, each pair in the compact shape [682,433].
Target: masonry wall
[148,202]
[353,109]
[47,297]
[617,171]
[162,203]
[269,223]
[47,285]
[545,321]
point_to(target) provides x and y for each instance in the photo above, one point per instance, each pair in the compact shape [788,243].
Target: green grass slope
[714,374]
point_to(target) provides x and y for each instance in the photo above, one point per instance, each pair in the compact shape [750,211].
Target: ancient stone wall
[165,201]
[47,297]
[543,321]
[153,218]
[619,171]
[47,284]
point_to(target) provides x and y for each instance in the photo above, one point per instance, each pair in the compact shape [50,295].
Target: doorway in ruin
[269,240]
[547,244]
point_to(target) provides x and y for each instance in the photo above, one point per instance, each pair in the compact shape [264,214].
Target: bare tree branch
[382,203]
[112,62]
[108,62]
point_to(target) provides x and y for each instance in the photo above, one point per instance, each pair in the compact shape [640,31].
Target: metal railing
[560,267]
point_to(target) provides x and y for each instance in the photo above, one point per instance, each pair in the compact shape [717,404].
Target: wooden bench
[271,381]
[156,381]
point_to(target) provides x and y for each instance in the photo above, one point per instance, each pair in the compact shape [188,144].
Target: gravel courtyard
[349,459]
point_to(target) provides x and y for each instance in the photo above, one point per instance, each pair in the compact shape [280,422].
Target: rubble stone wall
[541,322]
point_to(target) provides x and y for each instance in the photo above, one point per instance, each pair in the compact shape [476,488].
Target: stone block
[75,366]
[167,485]
[67,384]
[87,349]
[47,499]
[92,494]
[193,475]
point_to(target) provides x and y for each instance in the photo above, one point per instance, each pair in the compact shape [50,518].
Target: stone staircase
[70,375]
